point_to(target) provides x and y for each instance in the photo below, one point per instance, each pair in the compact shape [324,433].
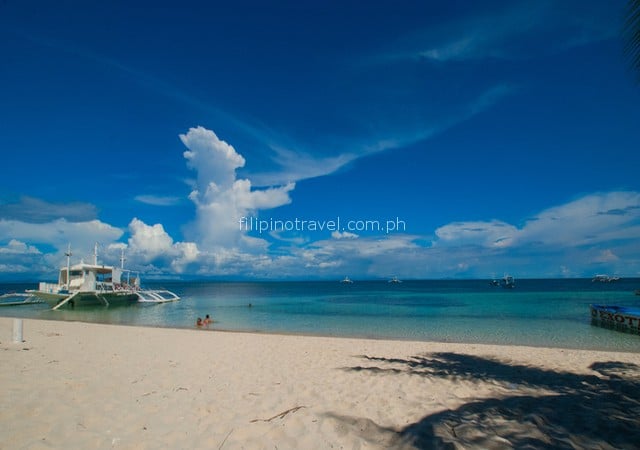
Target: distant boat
[508,282]
[494,282]
[96,284]
[395,280]
[346,280]
[620,318]
[604,279]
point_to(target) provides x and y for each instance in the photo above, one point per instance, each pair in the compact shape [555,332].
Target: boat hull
[620,318]
[88,298]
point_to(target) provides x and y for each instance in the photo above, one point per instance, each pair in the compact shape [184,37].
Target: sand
[78,385]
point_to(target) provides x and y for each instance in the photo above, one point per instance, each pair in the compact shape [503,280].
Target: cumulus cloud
[17,257]
[15,247]
[60,232]
[221,198]
[150,243]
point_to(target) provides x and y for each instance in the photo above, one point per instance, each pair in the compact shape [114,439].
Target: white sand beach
[78,385]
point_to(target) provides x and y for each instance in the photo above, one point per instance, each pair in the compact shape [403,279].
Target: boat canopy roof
[90,268]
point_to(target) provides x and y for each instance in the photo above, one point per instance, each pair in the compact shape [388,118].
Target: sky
[317,140]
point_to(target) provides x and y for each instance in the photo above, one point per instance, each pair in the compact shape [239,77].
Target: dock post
[17,331]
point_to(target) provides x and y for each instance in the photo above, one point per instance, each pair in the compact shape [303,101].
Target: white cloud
[297,165]
[18,257]
[343,235]
[606,256]
[150,243]
[221,199]
[590,220]
[60,232]
[600,231]
[157,200]
[214,160]
[487,234]
[588,235]
[15,268]
[15,247]
[355,254]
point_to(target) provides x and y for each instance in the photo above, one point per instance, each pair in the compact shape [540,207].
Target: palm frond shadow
[537,408]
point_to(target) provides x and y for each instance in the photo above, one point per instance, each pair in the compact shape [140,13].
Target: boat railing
[103,286]
[50,288]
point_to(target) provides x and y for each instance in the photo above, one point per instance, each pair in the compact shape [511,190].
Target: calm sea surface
[552,313]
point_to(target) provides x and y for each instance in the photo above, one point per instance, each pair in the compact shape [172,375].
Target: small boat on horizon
[507,282]
[346,280]
[395,280]
[601,278]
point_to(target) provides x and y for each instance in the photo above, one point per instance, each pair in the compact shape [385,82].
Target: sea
[536,312]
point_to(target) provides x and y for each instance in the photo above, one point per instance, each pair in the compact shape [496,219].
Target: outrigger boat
[95,284]
[621,318]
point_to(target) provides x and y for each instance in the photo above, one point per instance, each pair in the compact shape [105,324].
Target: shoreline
[88,385]
[320,335]
[553,314]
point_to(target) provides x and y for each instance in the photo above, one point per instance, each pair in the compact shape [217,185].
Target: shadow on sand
[535,408]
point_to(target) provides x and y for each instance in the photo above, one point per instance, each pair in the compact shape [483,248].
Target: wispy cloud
[158,200]
[293,159]
[295,163]
[34,210]
[512,32]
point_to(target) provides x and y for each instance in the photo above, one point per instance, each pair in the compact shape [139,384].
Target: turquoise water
[553,313]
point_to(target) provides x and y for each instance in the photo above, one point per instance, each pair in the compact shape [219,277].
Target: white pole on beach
[17,331]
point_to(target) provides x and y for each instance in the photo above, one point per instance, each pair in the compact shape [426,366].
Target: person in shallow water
[199,322]
[207,320]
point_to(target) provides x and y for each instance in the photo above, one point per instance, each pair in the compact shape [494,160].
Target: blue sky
[502,136]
